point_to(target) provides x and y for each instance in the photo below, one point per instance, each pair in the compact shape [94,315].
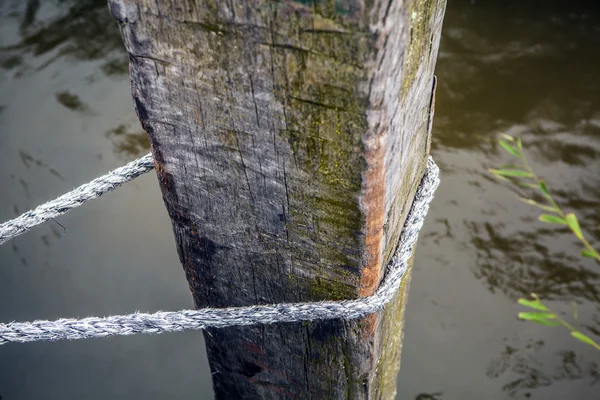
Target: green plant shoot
[545,316]
[523,175]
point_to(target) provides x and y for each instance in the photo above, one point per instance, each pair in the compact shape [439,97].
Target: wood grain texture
[289,138]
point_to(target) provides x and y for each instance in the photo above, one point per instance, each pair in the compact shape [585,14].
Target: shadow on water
[84,31]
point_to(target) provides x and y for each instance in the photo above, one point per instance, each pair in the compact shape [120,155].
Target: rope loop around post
[160,322]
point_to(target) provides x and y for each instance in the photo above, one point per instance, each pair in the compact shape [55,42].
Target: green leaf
[510,149]
[544,189]
[508,137]
[540,318]
[583,338]
[536,315]
[528,185]
[511,172]
[499,176]
[519,144]
[546,322]
[532,304]
[589,253]
[574,225]
[536,204]
[512,166]
[552,219]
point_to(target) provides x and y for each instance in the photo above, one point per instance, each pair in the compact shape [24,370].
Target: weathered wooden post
[289,138]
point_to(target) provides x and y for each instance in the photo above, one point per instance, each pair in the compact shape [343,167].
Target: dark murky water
[522,67]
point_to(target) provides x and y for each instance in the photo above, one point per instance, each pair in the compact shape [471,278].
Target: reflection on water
[76,30]
[429,396]
[519,263]
[527,369]
[81,30]
[29,161]
[63,86]
[526,68]
[126,143]
[71,101]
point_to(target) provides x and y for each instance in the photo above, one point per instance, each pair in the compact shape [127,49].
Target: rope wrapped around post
[160,322]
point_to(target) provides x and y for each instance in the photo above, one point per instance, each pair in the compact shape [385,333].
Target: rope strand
[75,198]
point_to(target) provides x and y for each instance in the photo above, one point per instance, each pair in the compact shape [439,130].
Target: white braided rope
[160,322]
[75,198]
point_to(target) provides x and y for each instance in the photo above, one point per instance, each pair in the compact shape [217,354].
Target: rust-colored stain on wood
[369,324]
[374,205]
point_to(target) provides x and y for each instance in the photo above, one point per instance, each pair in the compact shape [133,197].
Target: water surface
[526,68]
[523,67]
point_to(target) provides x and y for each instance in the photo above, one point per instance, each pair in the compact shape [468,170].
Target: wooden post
[289,138]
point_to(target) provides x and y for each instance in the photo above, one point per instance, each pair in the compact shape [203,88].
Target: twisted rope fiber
[75,198]
[263,314]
